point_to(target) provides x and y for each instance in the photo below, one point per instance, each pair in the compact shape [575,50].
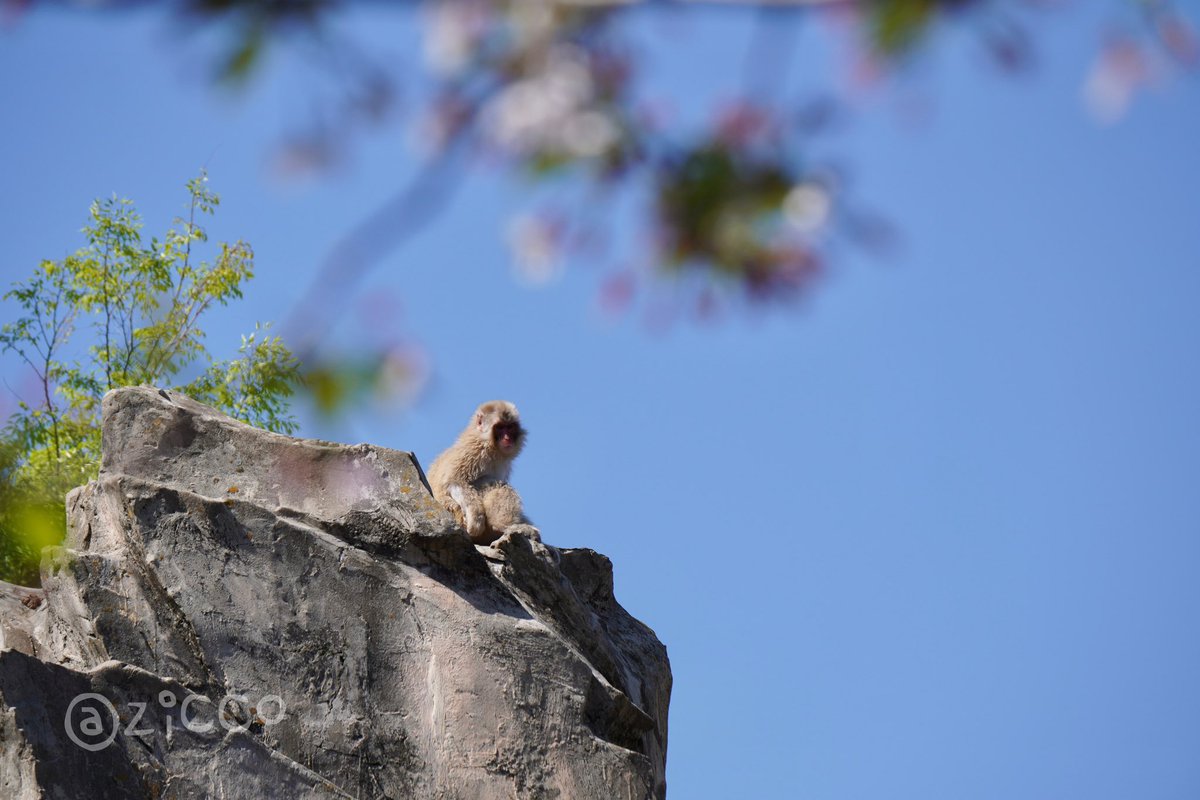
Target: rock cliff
[241,614]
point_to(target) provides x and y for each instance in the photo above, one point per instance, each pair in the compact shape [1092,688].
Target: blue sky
[936,533]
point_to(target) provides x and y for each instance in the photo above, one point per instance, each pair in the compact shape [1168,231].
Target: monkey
[471,477]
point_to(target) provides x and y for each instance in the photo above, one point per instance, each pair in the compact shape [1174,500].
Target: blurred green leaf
[896,25]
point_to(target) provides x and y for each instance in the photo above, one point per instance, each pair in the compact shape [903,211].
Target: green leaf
[139,310]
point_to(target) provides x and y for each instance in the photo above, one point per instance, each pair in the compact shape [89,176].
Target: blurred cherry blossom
[1120,69]
[536,246]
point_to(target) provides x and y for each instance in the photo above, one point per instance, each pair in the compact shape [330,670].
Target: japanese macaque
[471,478]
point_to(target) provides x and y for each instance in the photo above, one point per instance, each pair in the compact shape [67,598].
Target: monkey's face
[506,436]
[498,424]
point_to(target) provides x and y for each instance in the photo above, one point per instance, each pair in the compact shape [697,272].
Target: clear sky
[935,534]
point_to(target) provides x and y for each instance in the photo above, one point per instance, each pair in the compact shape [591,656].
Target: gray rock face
[251,615]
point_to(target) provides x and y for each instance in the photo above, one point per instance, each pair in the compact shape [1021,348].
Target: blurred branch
[769,52]
[298,8]
[739,207]
[401,216]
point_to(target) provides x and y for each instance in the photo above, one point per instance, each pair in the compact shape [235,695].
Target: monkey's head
[499,423]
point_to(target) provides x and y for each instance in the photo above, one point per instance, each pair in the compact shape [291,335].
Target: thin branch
[45,377]
[190,316]
[155,348]
[128,338]
[37,315]
[191,227]
[107,314]
[29,361]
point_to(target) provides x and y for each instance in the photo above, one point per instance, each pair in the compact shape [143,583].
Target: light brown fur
[502,506]
[471,477]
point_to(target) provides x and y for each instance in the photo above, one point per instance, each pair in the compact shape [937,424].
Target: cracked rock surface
[245,614]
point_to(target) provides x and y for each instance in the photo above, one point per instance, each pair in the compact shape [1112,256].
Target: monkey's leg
[505,512]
